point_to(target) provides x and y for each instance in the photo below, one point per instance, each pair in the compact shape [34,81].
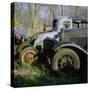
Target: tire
[28,55]
[65,61]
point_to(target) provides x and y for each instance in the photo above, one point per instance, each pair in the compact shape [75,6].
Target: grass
[40,75]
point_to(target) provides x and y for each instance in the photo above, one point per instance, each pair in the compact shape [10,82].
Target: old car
[64,46]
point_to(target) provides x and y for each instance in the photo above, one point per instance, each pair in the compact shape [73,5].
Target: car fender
[71,45]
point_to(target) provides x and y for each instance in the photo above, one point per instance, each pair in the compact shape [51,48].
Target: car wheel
[28,55]
[65,61]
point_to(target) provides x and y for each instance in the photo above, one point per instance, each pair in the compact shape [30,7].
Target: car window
[66,24]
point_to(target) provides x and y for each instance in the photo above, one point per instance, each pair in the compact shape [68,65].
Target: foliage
[30,18]
[40,75]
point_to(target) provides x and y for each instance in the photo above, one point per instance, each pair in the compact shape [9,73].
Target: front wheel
[28,55]
[65,61]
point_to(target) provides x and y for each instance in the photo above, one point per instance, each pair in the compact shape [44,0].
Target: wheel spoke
[70,60]
[62,62]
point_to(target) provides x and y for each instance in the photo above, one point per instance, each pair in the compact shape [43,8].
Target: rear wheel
[28,55]
[65,61]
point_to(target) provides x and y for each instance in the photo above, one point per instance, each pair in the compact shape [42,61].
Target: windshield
[80,23]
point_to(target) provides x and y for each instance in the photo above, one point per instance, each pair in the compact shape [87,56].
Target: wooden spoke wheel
[28,55]
[66,61]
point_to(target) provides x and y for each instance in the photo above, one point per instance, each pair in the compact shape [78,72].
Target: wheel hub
[29,57]
[65,61]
